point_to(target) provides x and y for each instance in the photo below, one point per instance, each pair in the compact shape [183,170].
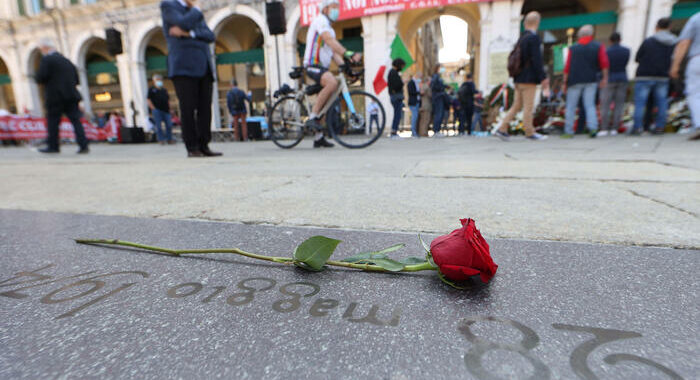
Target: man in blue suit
[191,69]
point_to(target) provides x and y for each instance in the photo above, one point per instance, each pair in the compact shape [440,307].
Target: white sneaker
[602,133]
[537,137]
[613,133]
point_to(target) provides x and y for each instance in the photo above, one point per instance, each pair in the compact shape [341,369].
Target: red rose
[463,253]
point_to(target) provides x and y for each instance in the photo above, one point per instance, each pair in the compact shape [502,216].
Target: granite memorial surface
[553,311]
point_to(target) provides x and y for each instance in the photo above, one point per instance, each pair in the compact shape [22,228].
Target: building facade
[246,51]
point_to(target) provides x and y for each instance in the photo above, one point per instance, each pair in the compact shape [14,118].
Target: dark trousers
[465,118]
[194,95]
[438,111]
[54,113]
[397,103]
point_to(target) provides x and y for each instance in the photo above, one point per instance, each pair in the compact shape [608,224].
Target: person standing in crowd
[689,44]
[453,102]
[586,59]
[426,108]
[191,68]
[235,101]
[478,107]
[531,74]
[439,96]
[159,103]
[616,90]
[396,94]
[60,79]
[373,110]
[414,101]
[466,100]
[654,58]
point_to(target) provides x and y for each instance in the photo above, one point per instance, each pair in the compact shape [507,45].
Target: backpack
[515,59]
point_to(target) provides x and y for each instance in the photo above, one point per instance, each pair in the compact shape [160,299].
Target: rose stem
[283,260]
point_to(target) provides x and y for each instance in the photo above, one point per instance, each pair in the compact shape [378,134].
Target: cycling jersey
[318,53]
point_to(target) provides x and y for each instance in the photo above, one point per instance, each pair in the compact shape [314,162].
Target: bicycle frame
[342,89]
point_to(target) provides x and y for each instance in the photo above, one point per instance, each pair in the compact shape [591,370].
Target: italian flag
[398,50]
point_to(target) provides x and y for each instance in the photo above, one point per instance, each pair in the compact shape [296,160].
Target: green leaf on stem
[381,254]
[314,252]
[412,261]
[425,246]
[428,254]
[388,264]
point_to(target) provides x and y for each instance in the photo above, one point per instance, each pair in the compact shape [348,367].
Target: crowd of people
[433,101]
[594,76]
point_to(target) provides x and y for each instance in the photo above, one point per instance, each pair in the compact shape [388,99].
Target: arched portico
[35,101]
[7,93]
[410,22]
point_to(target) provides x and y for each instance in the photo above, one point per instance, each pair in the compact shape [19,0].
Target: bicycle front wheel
[286,122]
[357,120]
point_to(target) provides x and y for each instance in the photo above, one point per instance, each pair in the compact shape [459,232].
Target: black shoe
[195,153]
[209,153]
[323,143]
[314,124]
[49,150]
[84,150]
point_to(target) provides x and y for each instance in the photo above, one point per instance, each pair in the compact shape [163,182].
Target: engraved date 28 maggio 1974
[89,283]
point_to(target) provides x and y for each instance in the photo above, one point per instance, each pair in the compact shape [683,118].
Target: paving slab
[622,190]
[554,310]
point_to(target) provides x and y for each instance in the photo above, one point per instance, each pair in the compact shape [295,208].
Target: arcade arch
[153,56]
[418,29]
[102,76]
[240,54]
[7,95]
[36,94]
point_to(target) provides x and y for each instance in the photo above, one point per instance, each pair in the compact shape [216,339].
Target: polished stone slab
[554,310]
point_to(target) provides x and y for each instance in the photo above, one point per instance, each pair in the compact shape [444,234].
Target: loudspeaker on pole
[275,17]
[114,41]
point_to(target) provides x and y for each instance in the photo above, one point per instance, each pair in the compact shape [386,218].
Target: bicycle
[346,112]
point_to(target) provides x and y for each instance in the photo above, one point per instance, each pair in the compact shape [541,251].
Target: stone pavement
[624,190]
[553,311]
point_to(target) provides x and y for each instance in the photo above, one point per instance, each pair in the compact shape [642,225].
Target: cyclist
[321,48]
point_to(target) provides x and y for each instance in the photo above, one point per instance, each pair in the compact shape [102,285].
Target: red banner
[359,8]
[31,128]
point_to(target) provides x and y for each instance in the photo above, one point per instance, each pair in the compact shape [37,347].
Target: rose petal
[458,273]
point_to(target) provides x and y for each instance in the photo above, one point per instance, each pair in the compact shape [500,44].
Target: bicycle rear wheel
[286,122]
[361,128]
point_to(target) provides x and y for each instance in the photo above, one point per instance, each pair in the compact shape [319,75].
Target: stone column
[378,32]
[84,90]
[631,20]
[657,10]
[500,29]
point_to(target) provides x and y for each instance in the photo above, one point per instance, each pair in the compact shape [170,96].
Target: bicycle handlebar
[347,68]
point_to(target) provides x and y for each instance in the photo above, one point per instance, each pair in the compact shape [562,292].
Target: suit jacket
[531,56]
[187,56]
[59,77]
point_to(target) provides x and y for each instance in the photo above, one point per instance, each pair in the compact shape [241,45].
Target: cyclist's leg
[330,84]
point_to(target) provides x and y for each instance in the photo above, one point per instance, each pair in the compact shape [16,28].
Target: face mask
[159,83]
[443,70]
[333,14]
[417,80]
